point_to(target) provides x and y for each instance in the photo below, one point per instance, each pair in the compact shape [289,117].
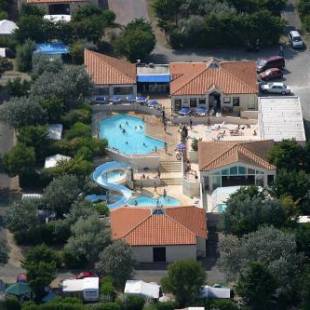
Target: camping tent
[7,27]
[19,289]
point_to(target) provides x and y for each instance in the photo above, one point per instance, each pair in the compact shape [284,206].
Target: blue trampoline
[53,48]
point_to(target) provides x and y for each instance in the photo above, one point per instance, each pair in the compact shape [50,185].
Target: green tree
[36,137]
[117,261]
[273,248]
[77,51]
[78,130]
[20,159]
[303,238]
[248,209]
[61,193]
[22,216]
[40,264]
[5,65]
[89,237]
[133,302]
[18,87]
[71,85]
[22,111]
[44,63]
[287,154]
[257,287]
[54,108]
[90,22]
[184,279]
[24,56]
[292,183]
[136,41]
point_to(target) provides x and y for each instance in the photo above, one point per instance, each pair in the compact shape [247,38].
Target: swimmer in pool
[120,126]
[126,142]
[144,144]
[127,123]
[141,127]
[124,131]
[136,202]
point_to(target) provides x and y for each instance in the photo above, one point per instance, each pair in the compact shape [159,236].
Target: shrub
[5,65]
[195,144]
[78,130]
[107,289]
[133,302]
[102,208]
[24,56]
[76,115]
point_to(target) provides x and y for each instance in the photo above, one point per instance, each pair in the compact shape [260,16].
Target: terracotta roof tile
[139,227]
[106,70]
[213,155]
[197,78]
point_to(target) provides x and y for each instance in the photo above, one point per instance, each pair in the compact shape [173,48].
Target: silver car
[276,88]
[295,39]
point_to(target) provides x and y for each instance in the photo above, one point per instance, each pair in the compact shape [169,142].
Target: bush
[18,87]
[5,65]
[77,115]
[102,208]
[107,290]
[78,130]
[10,303]
[133,302]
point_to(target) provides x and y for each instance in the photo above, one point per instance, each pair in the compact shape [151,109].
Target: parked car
[85,274]
[271,74]
[272,62]
[276,88]
[295,39]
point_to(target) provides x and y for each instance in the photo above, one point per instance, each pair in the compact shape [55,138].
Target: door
[159,254]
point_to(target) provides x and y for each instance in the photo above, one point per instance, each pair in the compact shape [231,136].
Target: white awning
[79,285]
[215,292]
[7,27]
[58,18]
[142,288]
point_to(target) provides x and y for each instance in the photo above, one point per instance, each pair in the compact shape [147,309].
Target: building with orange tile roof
[233,163]
[111,76]
[215,85]
[59,7]
[161,235]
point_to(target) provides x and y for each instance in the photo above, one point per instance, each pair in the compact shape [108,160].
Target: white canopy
[55,131]
[7,27]
[142,288]
[215,292]
[58,18]
[53,161]
[79,285]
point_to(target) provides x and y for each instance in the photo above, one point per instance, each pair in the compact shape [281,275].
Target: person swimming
[127,123]
[126,142]
[144,144]
[120,126]
[124,131]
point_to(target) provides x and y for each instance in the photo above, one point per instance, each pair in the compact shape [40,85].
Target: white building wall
[144,254]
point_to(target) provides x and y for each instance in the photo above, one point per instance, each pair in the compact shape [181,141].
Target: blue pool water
[126,134]
[145,201]
[54,48]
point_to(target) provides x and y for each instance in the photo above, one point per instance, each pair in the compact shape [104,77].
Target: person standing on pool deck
[190,123]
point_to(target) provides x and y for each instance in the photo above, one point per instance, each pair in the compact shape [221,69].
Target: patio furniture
[201,111]
[153,103]
[131,99]
[184,112]
[19,289]
[101,99]
[141,99]
[116,99]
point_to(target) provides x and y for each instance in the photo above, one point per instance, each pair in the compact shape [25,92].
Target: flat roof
[281,118]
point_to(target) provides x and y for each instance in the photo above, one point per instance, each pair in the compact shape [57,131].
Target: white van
[295,39]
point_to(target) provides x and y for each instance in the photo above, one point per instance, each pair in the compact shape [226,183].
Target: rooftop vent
[214,65]
[158,211]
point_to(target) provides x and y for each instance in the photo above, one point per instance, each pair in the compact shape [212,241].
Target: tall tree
[184,279]
[257,287]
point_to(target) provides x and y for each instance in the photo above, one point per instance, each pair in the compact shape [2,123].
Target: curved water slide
[100,177]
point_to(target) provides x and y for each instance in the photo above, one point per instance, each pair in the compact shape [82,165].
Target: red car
[271,74]
[85,274]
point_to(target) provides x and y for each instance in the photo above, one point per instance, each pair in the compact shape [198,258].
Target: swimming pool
[146,201]
[54,48]
[221,207]
[126,134]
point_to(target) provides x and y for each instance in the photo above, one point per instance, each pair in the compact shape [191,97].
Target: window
[202,101]
[270,179]
[123,90]
[233,171]
[236,101]
[251,171]
[185,102]
[241,170]
[225,172]
[193,103]
[226,100]
[101,91]
[177,104]
[259,180]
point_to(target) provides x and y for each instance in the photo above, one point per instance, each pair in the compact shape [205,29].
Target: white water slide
[100,176]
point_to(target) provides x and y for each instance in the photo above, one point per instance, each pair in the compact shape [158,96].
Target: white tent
[87,287]
[55,131]
[53,161]
[58,18]
[7,27]
[215,292]
[137,287]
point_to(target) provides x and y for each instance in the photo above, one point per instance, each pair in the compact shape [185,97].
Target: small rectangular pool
[53,48]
